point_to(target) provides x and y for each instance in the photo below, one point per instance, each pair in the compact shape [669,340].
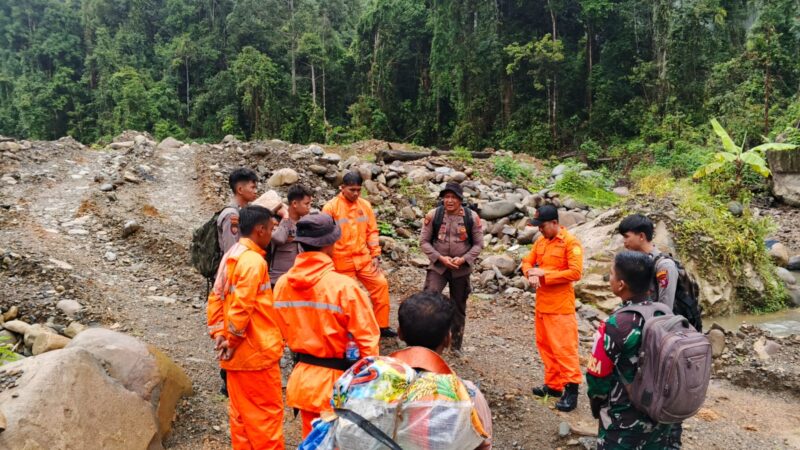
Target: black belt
[330,363]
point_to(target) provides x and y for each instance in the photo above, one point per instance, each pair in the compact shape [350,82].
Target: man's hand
[448,262]
[282,211]
[458,261]
[224,352]
[536,272]
[534,279]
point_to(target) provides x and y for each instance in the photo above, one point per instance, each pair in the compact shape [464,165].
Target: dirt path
[144,285]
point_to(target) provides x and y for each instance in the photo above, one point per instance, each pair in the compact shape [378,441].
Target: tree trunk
[375,45]
[292,50]
[313,86]
[187,87]
[388,155]
[589,76]
[553,105]
[767,85]
[324,115]
[661,26]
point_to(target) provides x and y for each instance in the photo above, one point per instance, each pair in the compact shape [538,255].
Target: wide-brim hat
[453,187]
[317,230]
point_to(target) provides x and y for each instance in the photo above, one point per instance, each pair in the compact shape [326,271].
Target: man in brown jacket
[452,239]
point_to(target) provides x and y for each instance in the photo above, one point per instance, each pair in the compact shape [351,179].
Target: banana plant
[736,156]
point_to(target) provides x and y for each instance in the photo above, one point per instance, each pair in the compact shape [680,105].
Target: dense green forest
[599,79]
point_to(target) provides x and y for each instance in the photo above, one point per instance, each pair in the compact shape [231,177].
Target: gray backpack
[674,366]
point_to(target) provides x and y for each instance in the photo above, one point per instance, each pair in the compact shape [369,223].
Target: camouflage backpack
[206,254]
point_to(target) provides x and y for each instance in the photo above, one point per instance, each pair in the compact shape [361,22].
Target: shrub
[585,190]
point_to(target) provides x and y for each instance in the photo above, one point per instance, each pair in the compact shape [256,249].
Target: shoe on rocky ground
[545,390]
[388,333]
[569,400]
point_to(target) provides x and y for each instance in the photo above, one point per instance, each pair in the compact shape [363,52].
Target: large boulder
[505,264]
[139,368]
[169,143]
[283,177]
[497,210]
[65,400]
[785,166]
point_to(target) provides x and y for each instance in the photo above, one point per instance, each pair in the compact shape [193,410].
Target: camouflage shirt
[621,424]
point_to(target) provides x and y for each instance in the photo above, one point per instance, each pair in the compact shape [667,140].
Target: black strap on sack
[368,427]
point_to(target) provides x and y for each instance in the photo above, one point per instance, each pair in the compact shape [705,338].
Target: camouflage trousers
[614,437]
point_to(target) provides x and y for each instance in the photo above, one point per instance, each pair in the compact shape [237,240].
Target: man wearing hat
[553,265]
[452,239]
[319,312]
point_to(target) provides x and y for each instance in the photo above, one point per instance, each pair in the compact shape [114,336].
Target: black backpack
[438,219]
[687,294]
[206,254]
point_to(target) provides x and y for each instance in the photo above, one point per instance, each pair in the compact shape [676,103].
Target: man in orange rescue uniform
[358,253]
[243,324]
[319,312]
[554,263]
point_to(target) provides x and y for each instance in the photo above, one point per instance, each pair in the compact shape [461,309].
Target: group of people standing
[291,276]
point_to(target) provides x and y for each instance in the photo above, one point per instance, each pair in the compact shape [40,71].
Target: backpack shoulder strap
[647,311]
[423,358]
[468,221]
[438,218]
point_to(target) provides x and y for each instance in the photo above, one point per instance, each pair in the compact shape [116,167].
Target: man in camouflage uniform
[614,362]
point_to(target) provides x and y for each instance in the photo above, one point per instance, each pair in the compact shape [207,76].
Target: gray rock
[8,338]
[34,331]
[11,314]
[622,191]
[779,254]
[420,261]
[283,177]
[69,307]
[497,210]
[735,208]
[563,429]
[130,177]
[407,213]
[717,339]
[169,143]
[229,139]
[316,150]
[74,329]
[106,187]
[505,264]
[46,342]
[571,203]
[526,236]
[785,166]
[785,275]
[486,277]
[331,158]
[130,228]
[318,169]
[110,256]
[17,326]
[794,263]
[458,177]
[794,296]
[420,176]
[558,170]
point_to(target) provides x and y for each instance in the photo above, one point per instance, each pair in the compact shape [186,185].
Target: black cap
[543,214]
[453,187]
[318,230]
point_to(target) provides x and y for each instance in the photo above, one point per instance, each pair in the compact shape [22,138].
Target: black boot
[569,400]
[388,333]
[545,390]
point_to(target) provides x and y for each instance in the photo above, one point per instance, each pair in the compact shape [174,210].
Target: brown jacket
[451,241]
[283,249]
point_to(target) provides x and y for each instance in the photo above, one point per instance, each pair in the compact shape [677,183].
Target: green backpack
[206,254]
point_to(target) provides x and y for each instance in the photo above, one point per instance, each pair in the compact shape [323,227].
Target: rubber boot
[569,400]
[545,390]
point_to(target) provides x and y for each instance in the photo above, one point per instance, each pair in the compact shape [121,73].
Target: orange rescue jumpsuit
[317,309]
[240,309]
[561,258]
[354,251]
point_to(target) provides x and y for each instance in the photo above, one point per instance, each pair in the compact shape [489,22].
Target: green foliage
[585,190]
[417,193]
[738,158]
[386,229]
[7,354]
[511,169]
[462,154]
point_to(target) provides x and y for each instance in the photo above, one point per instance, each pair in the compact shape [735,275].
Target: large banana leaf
[773,146]
[725,157]
[756,162]
[708,169]
[727,142]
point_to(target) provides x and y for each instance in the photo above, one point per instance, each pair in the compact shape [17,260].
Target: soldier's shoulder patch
[663,278]
[577,251]
[235,228]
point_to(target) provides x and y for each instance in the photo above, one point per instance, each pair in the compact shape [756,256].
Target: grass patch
[512,170]
[585,190]
[462,154]
[418,192]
